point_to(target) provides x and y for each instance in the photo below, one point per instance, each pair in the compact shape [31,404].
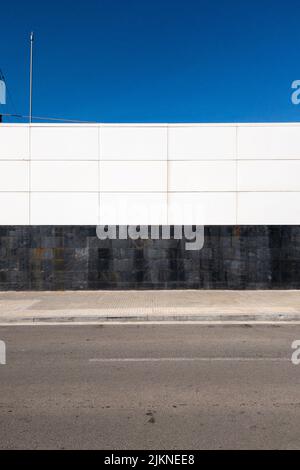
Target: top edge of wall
[177,124]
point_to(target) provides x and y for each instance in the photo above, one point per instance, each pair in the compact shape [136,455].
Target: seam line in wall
[99,169]
[29,175]
[168,169]
[83,160]
[267,191]
[236,176]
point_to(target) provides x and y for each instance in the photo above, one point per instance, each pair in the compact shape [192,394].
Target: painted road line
[191,359]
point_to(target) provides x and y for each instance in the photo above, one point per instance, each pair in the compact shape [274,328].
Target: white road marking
[191,359]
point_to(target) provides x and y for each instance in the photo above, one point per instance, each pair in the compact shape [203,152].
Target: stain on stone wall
[73,258]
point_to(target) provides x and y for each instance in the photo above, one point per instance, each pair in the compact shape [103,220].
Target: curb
[220,318]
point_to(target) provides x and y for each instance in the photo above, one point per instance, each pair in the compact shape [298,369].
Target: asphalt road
[149,387]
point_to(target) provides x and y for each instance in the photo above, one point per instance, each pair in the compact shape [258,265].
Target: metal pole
[31,73]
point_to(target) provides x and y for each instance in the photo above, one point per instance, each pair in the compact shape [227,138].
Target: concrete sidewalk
[149,306]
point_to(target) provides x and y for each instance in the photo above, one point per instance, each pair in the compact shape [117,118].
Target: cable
[44,118]
[41,118]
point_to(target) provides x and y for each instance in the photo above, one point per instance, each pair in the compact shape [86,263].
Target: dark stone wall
[72,258]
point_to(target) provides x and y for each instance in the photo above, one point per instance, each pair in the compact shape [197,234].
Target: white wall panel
[202,176]
[64,143]
[14,176]
[64,208]
[201,143]
[14,142]
[273,175]
[64,176]
[133,209]
[202,208]
[269,142]
[133,143]
[268,208]
[14,209]
[133,176]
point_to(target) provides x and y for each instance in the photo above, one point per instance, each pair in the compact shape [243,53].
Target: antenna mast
[31,75]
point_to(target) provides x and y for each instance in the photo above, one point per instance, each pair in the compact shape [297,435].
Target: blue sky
[153,60]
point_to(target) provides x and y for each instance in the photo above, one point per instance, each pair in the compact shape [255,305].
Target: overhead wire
[47,118]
